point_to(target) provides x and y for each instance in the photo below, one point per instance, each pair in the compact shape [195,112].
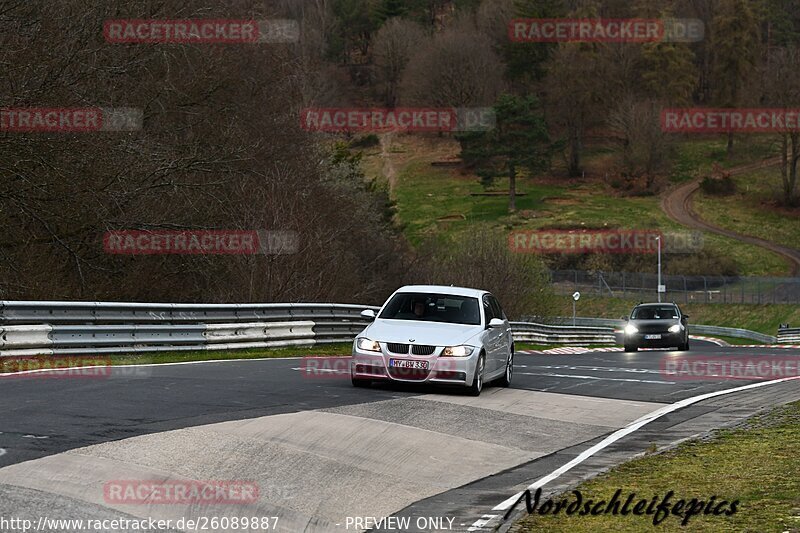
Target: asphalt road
[325,454]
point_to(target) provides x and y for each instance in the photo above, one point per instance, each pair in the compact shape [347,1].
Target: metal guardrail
[44,312]
[696,329]
[789,336]
[72,328]
[732,332]
[555,334]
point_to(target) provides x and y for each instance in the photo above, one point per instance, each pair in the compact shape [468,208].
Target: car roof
[658,304]
[443,289]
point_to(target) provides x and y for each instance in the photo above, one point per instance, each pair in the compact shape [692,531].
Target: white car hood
[431,333]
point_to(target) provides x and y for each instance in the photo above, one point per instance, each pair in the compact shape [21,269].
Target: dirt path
[677,204]
[388,169]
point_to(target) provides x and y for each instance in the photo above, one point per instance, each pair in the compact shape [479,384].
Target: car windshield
[655,313]
[428,307]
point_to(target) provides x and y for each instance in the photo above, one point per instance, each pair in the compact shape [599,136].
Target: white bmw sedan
[436,334]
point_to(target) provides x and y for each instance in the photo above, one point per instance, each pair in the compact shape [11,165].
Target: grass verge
[439,200]
[751,209]
[755,464]
[734,340]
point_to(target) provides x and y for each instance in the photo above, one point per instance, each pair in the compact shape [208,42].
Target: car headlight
[630,329]
[676,328]
[368,345]
[457,351]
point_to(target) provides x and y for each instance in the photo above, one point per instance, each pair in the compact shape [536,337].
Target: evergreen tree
[669,73]
[518,141]
[387,9]
[524,60]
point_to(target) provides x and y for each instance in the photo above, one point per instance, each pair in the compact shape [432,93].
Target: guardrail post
[705,287]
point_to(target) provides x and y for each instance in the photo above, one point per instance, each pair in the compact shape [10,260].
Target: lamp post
[658,289]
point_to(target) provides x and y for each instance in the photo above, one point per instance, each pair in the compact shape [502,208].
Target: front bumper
[442,370]
[667,340]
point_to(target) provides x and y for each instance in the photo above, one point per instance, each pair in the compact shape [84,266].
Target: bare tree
[458,69]
[493,17]
[393,46]
[482,259]
[782,89]
[221,148]
[575,95]
[644,146]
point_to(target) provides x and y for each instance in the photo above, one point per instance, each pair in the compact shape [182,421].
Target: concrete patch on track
[564,407]
[316,468]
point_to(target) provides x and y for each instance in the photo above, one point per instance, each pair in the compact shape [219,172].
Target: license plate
[407,363]
[655,336]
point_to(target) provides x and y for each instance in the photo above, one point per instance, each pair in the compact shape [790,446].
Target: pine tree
[669,72]
[518,141]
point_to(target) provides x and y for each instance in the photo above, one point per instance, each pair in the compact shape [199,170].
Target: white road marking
[329,370]
[614,437]
[2,452]
[598,378]
[599,369]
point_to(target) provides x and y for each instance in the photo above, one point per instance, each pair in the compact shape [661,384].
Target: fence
[680,289]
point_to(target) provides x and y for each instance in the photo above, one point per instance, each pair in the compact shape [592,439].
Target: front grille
[654,328]
[397,348]
[422,349]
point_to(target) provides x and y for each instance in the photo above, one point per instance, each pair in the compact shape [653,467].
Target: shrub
[482,260]
[718,186]
[365,141]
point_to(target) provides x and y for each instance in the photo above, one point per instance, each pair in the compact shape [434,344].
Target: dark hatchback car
[657,325]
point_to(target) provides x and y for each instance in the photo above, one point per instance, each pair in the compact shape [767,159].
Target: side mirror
[369,314]
[496,323]
[685,316]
